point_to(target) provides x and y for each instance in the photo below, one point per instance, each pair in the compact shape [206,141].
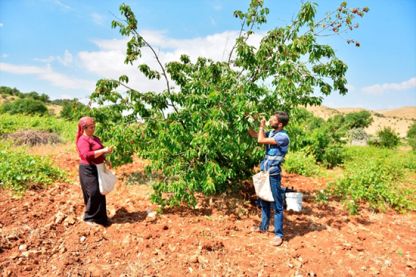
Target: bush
[411,136]
[386,138]
[333,156]
[19,171]
[25,106]
[300,163]
[325,147]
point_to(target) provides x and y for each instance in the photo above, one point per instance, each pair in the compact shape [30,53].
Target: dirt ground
[42,234]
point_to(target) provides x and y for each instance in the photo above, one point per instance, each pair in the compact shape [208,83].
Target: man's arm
[261,138]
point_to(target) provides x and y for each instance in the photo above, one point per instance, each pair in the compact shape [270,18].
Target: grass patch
[301,163]
[12,123]
[20,171]
[383,178]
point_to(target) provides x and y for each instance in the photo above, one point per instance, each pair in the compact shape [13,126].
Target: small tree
[201,144]
[360,119]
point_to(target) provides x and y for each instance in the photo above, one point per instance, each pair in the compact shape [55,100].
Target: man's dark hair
[283,117]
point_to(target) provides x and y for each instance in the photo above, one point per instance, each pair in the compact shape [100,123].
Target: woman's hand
[103,151]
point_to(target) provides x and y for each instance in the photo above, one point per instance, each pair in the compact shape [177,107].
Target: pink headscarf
[84,121]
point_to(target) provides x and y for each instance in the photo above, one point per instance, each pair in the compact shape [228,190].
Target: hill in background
[398,119]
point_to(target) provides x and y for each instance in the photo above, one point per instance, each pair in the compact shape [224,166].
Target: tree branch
[239,35]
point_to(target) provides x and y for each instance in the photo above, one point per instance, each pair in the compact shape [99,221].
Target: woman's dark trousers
[95,204]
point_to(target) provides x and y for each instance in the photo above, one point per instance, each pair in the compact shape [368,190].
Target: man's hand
[262,122]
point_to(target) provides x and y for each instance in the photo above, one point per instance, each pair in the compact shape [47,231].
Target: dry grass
[54,109]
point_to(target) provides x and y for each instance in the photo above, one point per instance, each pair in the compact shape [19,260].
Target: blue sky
[62,47]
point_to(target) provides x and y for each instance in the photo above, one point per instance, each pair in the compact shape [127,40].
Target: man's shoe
[277,241]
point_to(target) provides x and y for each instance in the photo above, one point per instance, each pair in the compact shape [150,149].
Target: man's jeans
[275,182]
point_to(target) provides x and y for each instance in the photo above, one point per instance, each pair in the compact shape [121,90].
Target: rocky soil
[42,234]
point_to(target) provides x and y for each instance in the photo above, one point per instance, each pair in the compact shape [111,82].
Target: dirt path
[42,234]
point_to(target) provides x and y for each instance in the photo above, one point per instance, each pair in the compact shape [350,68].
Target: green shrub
[19,171]
[325,148]
[300,163]
[333,156]
[25,106]
[411,136]
[386,137]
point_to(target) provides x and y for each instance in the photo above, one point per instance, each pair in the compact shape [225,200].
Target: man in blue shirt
[276,143]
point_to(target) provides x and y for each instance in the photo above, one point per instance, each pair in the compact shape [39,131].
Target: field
[42,232]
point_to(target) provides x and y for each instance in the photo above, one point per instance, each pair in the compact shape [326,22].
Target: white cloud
[350,87]
[48,74]
[97,18]
[65,60]
[47,60]
[1,24]
[386,87]
[108,61]
[217,6]
[61,4]
[4,55]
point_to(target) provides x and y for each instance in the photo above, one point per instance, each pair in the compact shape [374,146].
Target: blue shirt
[275,154]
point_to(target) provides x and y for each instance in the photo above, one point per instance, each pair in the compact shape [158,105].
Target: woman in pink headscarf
[91,152]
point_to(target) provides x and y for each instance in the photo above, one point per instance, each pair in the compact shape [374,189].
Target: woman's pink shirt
[86,147]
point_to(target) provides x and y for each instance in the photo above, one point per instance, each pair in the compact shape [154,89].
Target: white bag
[261,183]
[106,179]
